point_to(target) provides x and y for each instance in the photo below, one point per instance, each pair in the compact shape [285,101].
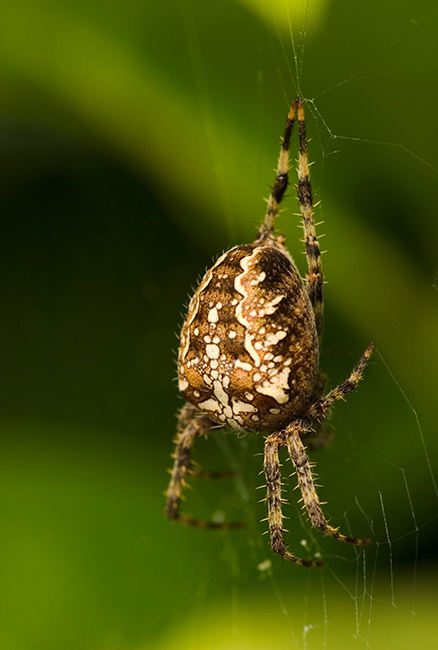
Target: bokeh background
[137,141]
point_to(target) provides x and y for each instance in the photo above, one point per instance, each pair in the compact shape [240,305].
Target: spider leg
[189,427]
[318,410]
[297,453]
[282,178]
[314,278]
[186,414]
[274,499]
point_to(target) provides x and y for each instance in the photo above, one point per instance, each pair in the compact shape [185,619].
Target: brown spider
[249,355]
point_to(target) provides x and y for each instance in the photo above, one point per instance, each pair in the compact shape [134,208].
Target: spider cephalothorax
[249,354]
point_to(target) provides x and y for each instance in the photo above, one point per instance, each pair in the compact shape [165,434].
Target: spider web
[384,594]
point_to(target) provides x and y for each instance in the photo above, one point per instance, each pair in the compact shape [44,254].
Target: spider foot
[279,547]
[334,532]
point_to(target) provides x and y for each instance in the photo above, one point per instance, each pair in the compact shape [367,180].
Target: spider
[249,356]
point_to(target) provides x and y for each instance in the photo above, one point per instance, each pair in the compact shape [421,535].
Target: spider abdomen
[249,348]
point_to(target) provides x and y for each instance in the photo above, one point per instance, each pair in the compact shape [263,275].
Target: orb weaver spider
[249,355]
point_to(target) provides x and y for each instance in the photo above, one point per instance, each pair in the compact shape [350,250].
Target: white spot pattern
[276,386]
[239,374]
[213,315]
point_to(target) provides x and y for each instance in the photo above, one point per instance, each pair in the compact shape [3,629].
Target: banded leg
[185,416]
[314,278]
[275,501]
[282,179]
[319,409]
[187,413]
[189,427]
[297,453]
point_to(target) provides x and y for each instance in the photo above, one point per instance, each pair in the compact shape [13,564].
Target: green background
[137,142]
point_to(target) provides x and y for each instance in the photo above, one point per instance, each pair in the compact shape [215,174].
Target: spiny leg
[294,432]
[319,409]
[189,427]
[320,435]
[274,499]
[184,443]
[185,416]
[315,278]
[311,501]
[187,413]
[282,179]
